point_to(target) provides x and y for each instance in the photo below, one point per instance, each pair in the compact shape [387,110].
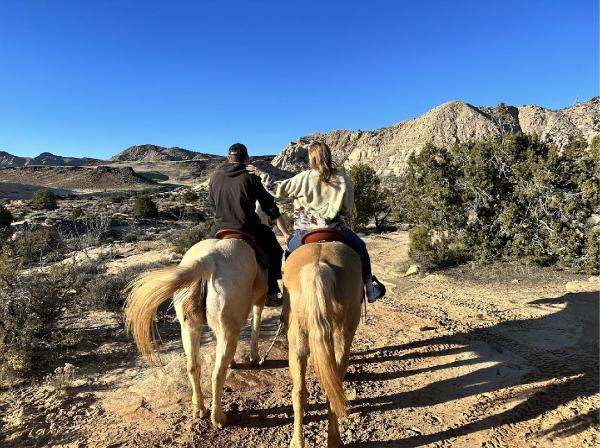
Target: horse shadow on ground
[570,362]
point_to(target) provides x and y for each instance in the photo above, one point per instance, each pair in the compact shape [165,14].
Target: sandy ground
[495,356]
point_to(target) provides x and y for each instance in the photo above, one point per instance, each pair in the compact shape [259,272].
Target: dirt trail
[498,356]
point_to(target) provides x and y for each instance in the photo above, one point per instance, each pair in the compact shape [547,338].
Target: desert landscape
[497,355]
[500,353]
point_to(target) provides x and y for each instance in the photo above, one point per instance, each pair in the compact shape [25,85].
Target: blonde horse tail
[318,282]
[149,290]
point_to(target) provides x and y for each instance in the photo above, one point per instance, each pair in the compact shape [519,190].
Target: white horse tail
[318,284]
[151,289]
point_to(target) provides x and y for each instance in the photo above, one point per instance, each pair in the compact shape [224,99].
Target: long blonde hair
[319,159]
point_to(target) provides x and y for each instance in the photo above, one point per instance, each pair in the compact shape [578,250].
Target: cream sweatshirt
[316,204]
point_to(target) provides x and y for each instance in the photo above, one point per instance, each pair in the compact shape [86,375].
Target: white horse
[227,274]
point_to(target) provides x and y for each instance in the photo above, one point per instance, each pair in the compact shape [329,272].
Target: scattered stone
[515,281]
[422,328]
[412,270]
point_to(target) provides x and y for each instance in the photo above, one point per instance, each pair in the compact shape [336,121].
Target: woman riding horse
[322,196]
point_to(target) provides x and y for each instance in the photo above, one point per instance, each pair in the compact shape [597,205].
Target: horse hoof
[199,413]
[219,420]
[255,362]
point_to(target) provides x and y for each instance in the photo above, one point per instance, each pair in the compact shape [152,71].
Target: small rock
[413,269]
[421,328]
[514,281]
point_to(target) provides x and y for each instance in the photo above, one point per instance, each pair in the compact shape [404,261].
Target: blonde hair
[319,159]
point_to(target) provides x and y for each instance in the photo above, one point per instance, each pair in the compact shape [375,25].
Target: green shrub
[5,234]
[592,251]
[117,199]
[188,237]
[369,198]
[31,245]
[190,196]
[438,251]
[517,199]
[77,212]
[44,200]
[6,217]
[144,207]
[31,304]
[108,291]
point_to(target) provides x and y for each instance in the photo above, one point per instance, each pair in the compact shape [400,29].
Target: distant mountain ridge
[44,159]
[387,149]
[137,153]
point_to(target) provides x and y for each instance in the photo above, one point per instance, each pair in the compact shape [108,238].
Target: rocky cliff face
[388,149]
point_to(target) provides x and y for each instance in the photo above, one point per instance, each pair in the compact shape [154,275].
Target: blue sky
[93,77]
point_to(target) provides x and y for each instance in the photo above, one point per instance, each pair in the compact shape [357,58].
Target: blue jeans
[350,238]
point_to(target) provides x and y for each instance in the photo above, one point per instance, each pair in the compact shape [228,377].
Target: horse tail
[149,290]
[318,282]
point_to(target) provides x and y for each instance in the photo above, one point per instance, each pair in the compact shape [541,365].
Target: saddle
[236,234]
[322,235]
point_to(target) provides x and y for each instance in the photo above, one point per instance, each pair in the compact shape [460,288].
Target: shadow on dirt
[570,362]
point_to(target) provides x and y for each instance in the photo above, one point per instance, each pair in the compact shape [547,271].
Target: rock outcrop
[388,149]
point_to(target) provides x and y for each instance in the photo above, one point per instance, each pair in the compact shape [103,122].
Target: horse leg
[226,345]
[342,342]
[190,336]
[297,360]
[256,317]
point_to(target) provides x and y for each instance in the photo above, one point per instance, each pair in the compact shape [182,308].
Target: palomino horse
[324,288]
[227,274]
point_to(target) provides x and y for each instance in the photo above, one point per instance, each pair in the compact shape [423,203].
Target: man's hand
[252,169]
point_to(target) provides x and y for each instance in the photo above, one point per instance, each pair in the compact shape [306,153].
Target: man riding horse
[233,193]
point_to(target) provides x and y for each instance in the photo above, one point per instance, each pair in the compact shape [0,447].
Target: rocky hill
[74,178]
[7,159]
[387,149]
[44,159]
[154,153]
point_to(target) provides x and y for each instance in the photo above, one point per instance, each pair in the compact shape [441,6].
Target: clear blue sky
[93,77]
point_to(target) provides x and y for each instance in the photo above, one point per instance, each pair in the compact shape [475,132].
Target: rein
[264,358]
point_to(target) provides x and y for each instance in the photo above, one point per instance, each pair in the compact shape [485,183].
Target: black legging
[265,240]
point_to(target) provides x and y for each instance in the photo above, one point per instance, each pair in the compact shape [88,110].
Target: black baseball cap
[237,149]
